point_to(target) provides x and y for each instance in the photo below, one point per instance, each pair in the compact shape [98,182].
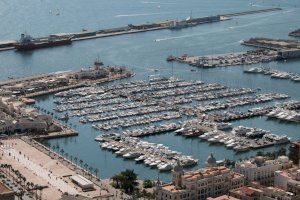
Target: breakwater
[130,29]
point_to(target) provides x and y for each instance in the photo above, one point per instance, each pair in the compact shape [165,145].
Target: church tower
[177,174]
[211,161]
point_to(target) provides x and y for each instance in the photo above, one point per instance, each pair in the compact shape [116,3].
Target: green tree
[147,183]
[125,180]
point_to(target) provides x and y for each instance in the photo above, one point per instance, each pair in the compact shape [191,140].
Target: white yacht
[141,158]
[165,167]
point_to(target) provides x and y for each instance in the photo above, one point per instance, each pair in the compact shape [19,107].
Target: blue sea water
[141,53]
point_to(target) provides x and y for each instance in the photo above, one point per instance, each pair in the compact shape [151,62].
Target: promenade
[46,168]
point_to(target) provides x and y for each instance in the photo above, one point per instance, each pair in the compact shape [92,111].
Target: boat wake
[187,36]
[143,14]
[156,2]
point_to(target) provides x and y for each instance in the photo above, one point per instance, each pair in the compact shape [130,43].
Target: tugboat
[27,42]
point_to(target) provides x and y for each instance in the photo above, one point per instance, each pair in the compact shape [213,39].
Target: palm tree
[117,178]
[75,159]
[85,166]
[66,155]
[96,171]
[80,162]
[62,152]
[91,171]
[71,158]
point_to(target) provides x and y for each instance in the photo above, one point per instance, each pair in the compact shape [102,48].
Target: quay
[269,50]
[42,84]
[130,29]
[65,132]
[228,59]
[285,49]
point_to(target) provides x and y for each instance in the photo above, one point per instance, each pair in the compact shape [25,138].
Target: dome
[211,161]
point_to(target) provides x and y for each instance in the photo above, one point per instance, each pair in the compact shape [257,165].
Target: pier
[228,59]
[48,83]
[131,29]
[286,49]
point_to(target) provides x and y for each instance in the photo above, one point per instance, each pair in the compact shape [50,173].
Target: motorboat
[165,167]
[140,159]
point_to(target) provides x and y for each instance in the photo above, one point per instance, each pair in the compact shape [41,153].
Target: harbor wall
[130,29]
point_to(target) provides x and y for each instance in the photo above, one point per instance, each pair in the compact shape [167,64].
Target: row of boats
[111,108]
[152,129]
[124,114]
[151,154]
[231,115]
[244,138]
[285,115]
[241,101]
[136,121]
[80,106]
[274,73]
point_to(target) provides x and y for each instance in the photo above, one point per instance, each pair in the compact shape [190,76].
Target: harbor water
[146,53]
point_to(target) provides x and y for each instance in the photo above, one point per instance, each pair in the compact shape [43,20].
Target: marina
[139,103]
[285,48]
[146,55]
[141,108]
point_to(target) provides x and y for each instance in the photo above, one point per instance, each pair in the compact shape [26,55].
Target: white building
[262,170]
[288,180]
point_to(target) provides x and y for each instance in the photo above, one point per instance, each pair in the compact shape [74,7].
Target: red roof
[248,191]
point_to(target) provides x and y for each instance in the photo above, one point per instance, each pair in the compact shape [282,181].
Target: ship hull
[43,44]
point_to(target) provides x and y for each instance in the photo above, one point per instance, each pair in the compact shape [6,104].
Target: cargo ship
[27,42]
